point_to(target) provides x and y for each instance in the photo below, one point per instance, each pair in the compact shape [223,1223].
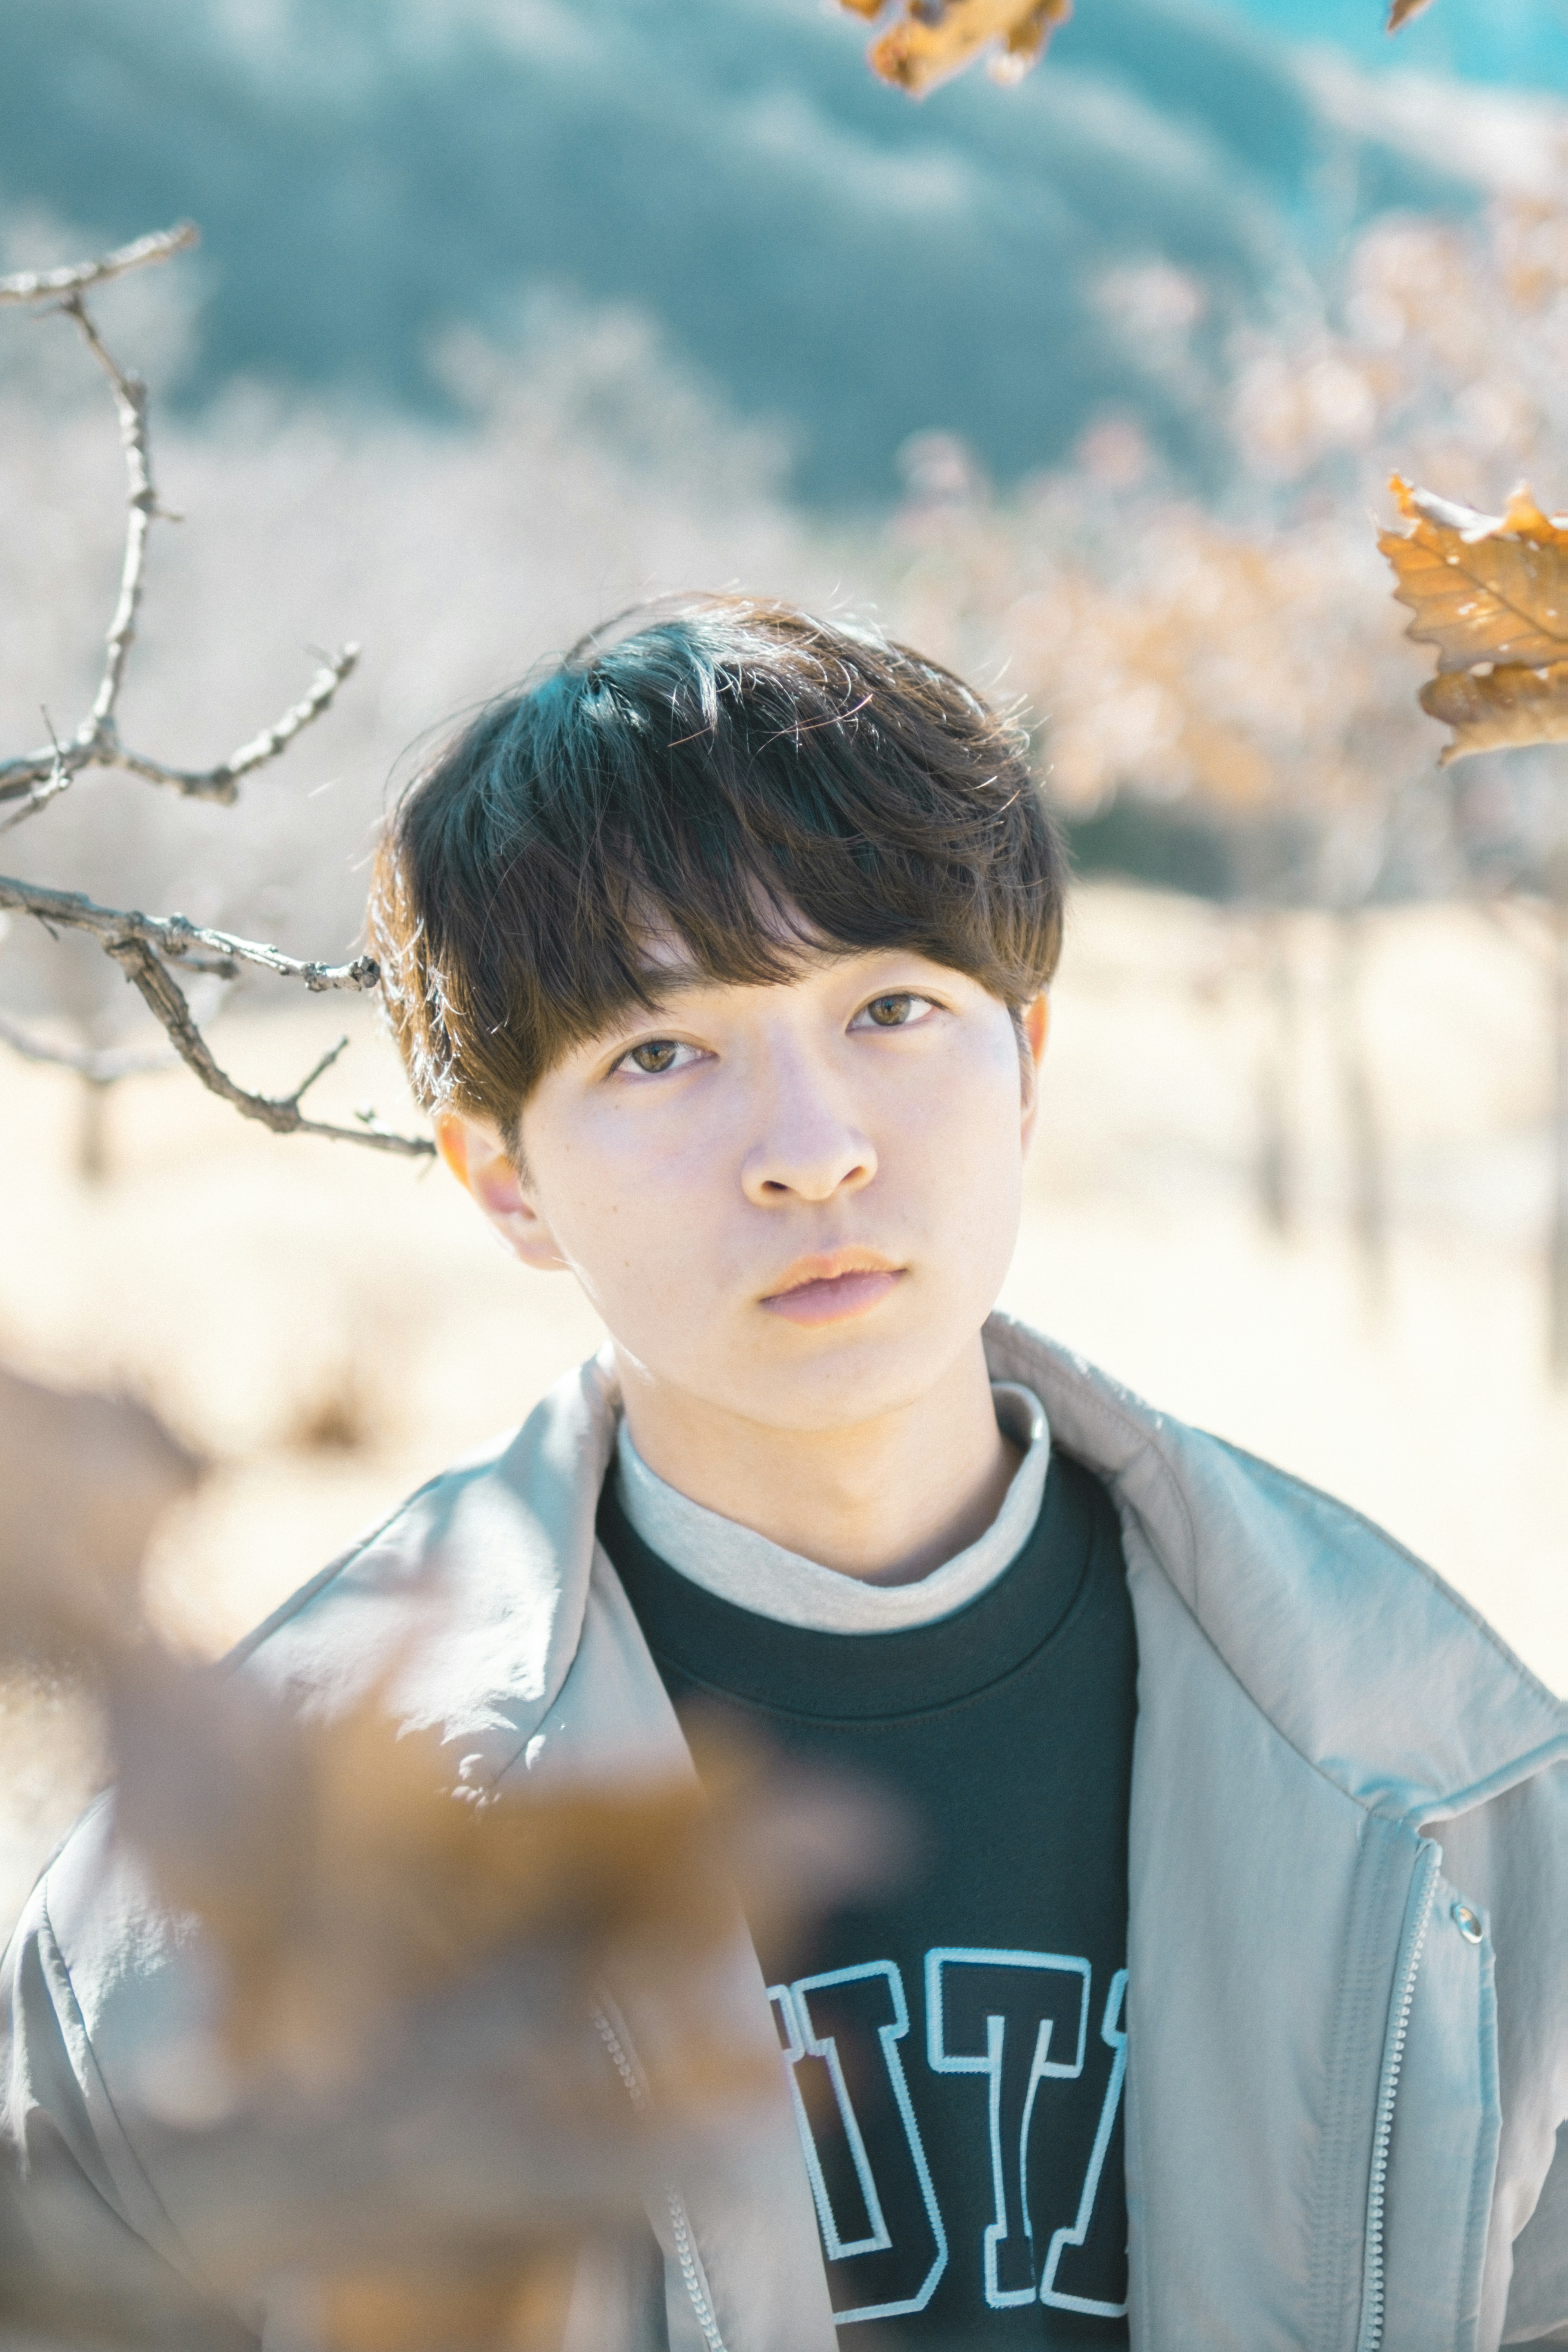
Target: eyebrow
[667,979]
[666,983]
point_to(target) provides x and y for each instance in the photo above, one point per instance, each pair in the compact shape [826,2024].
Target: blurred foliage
[1242,668]
[931,40]
[372,174]
[401,2091]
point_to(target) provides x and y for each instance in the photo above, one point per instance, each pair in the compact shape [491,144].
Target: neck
[886,1500]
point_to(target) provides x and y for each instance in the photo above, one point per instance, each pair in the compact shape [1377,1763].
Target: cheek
[636,1212]
[965,1166]
[964,1128]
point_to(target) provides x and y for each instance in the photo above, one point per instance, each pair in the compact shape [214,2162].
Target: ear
[488,1173]
[1035,1021]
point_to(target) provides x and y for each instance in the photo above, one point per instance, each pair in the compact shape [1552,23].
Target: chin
[849,1375]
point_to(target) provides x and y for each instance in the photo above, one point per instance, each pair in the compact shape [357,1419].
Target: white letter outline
[795,2009]
[1114,2033]
[942,2061]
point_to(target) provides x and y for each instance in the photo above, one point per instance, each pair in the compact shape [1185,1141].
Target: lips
[831,1289]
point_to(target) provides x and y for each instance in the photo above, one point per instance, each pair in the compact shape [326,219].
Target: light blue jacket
[1347,2122]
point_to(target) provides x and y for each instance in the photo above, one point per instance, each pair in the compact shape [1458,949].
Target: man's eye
[894,1012]
[654,1056]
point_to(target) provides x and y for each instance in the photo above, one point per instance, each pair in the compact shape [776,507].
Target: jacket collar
[471,1600]
[1374,1670]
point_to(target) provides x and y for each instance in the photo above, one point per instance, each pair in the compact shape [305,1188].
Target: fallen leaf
[1490,592]
[934,39]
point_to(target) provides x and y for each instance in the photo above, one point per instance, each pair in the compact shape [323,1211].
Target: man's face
[795,1203]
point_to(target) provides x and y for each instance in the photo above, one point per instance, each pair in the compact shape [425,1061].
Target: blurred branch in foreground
[143,946]
[402,2104]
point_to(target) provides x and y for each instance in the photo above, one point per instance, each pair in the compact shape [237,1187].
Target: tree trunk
[1275,1076]
[92,1131]
[1557,1254]
[1363,1130]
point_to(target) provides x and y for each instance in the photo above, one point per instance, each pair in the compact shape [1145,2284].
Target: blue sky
[1521,42]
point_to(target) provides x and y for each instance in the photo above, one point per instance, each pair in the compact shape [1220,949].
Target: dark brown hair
[728,774]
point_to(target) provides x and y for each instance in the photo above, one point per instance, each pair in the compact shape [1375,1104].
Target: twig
[165,1000]
[220,784]
[57,781]
[216,784]
[144,946]
[104,1066]
[129,394]
[40,285]
[172,937]
[96,742]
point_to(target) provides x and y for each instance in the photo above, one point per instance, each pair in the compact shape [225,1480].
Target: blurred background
[509,312]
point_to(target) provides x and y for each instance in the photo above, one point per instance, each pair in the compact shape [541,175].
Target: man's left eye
[655,1055]
[892,1011]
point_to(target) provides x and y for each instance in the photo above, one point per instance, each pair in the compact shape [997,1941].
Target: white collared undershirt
[739,1566]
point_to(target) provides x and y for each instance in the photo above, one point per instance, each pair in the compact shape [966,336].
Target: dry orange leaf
[342,1877]
[1400,11]
[1490,592]
[519,2303]
[934,39]
[1500,709]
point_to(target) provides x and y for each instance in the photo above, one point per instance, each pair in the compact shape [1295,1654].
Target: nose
[810,1148]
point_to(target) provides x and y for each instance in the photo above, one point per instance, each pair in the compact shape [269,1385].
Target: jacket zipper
[1370,2336]
[685,2244]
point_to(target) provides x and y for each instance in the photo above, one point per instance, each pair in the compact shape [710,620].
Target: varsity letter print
[1018,2019]
[883,2237]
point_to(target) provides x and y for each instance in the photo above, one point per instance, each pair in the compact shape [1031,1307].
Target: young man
[1220,2003]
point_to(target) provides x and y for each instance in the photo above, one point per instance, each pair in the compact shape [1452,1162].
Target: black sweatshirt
[956,2040]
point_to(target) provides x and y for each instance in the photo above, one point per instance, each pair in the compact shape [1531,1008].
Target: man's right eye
[656,1056]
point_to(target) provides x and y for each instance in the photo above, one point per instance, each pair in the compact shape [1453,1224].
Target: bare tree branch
[220,784]
[104,1066]
[144,946]
[38,777]
[142,504]
[40,285]
[164,998]
[57,781]
[172,937]
[34,772]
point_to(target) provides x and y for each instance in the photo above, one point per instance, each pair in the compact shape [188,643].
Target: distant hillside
[370,172]
[1521,42]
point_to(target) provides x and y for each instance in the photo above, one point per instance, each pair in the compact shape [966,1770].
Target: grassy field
[329,1328]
